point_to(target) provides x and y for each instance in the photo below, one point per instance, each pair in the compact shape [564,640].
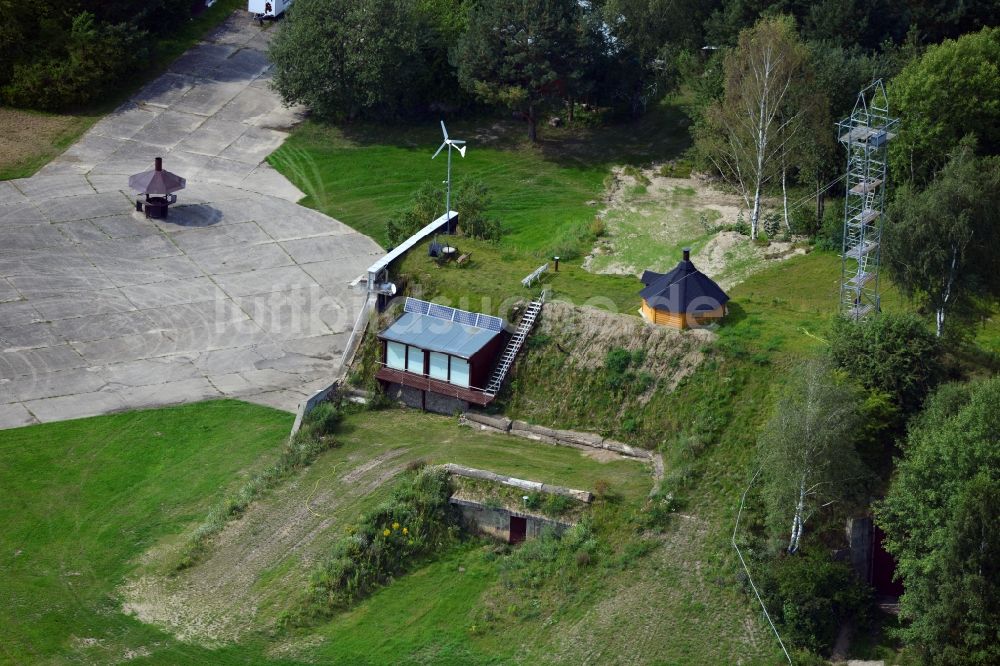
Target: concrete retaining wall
[538,433]
[531,486]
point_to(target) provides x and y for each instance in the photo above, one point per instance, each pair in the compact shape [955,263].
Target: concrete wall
[409,396]
[495,523]
[444,404]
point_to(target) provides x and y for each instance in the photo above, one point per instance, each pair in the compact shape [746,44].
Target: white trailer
[267,9]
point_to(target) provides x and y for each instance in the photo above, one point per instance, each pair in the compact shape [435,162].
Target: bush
[809,595]
[893,353]
[472,199]
[96,59]
[416,521]
[831,232]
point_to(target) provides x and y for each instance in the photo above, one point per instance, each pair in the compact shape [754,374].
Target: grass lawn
[83,499]
[30,139]
[362,174]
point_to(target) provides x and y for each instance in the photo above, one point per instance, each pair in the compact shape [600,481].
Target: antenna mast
[865,134]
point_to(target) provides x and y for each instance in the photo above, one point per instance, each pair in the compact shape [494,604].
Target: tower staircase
[514,346]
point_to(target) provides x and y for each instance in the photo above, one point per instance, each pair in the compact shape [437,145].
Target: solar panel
[466,318]
[415,306]
[441,311]
[490,323]
[463,317]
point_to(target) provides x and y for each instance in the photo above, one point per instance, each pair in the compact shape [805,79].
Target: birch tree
[750,130]
[807,451]
[941,243]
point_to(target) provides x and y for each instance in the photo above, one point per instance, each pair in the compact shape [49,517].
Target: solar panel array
[416,306]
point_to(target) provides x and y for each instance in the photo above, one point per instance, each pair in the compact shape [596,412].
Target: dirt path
[260,562]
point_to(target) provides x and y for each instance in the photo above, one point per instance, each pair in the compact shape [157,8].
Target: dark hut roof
[684,289]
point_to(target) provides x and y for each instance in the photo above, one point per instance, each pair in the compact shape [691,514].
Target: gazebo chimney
[687,250]
[159,166]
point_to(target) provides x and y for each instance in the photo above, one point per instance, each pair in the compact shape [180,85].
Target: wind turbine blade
[444,131]
[461,150]
[457,142]
[439,149]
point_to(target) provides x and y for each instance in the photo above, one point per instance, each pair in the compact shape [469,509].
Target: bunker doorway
[518,529]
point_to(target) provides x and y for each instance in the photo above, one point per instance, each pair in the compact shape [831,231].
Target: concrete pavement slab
[173,292]
[86,207]
[82,231]
[7,292]
[16,313]
[208,97]
[64,382]
[254,145]
[39,361]
[77,285]
[265,281]
[102,326]
[262,179]
[212,137]
[10,194]
[28,336]
[243,65]
[169,128]
[150,371]
[202,58]
[96,303]
[41,189]
[223,260]
[125,122]
[126,225]
[241,233]
[168,393]
[24,213]
[15,415]
[76,406]
[30,238]
[165,90]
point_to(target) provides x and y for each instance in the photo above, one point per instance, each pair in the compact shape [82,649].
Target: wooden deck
[425,383]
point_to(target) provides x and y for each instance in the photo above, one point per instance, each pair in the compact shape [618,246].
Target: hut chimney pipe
[159,163]
[687,254]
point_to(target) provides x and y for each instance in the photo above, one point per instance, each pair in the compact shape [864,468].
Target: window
[439,366]
[459,372]
[415,360]
[395,355]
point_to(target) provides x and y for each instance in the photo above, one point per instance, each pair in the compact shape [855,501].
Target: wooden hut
[683,298]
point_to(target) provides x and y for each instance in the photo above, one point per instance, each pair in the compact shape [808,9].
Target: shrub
[416,521]
[472,198]
[893,353]
[96,59]
[598,227]
[810,596]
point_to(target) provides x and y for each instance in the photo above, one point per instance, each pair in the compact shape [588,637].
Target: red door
[518,529]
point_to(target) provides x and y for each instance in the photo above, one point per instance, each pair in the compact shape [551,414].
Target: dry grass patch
[29,139]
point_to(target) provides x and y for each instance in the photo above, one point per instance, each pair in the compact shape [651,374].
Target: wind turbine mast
[458,145]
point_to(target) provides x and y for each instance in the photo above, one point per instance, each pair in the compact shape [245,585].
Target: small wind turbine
[460,147]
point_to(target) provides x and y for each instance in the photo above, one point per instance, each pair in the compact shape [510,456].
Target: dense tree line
[57,54]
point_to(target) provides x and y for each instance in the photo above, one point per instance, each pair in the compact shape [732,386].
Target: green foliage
[96,57]
[940,518]
[518,53]
[415,522]
[943,242]
[425,207]
[810,596]
[313,438]
[472,200]
[893,353]
[345,59]
[619,366]
[807,451]
[953,89]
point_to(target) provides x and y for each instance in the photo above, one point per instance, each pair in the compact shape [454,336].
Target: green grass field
[362,174]
[91,503]
[84,499]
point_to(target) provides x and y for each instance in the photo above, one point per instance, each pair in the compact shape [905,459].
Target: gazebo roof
[684,289]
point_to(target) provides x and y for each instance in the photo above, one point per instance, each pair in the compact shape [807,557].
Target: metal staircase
[865,135]
[514,346]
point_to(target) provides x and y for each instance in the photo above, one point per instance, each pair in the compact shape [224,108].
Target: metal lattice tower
[866,134]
